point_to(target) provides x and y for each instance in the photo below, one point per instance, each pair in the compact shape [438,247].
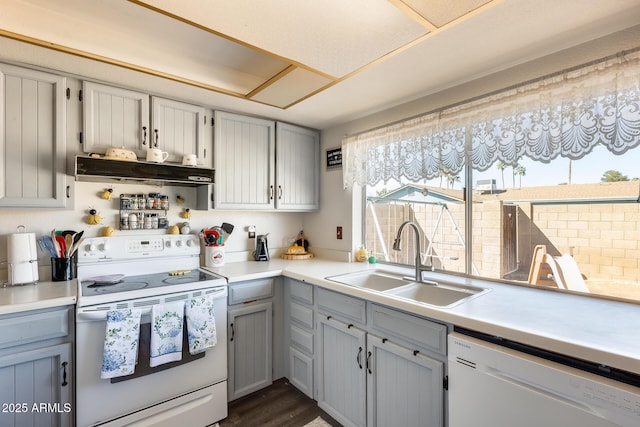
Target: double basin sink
[434,293]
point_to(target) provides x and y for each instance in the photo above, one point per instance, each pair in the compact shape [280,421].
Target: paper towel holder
[22,270]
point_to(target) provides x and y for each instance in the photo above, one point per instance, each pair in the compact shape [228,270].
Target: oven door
[192,390]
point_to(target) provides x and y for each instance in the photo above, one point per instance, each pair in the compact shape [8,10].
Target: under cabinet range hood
[98,169]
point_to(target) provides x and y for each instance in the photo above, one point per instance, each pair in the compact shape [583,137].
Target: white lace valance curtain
[566,115]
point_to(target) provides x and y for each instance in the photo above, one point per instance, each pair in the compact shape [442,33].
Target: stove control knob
[189,243]
[178,243]
[90,247]
[168,243]
[104,247]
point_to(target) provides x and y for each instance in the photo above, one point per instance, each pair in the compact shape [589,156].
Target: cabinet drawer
[301,314]
[423,332]
[301,339]
[302,292]
[250,291]
[32,327]
[345,306]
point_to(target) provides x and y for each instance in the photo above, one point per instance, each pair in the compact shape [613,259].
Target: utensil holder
[63,269]
[214,256]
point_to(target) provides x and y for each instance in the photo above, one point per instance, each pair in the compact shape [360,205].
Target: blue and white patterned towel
[120,343]
[166,333]
[201,324]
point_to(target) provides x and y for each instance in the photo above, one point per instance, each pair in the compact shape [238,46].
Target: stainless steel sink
[374,280]
[438,294]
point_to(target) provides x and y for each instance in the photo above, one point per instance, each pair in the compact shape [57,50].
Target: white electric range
[138,272]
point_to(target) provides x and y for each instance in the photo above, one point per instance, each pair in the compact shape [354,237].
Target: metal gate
[509,239]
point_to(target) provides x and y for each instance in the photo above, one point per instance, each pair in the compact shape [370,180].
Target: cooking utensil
[68,244]
[56,244]
[228,228]
[62,245]
[46,244]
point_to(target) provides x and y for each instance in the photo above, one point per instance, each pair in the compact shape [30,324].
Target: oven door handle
[101,315]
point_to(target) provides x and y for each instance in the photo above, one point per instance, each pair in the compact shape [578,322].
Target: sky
[587,170]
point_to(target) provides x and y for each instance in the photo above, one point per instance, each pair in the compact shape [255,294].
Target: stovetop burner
[145,281]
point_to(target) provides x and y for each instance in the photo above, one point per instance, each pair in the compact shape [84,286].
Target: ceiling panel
[442,12]
[335,37]
[292,87]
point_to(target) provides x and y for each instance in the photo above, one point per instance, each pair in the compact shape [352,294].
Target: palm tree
[501,167]
[520,171]
[452,179]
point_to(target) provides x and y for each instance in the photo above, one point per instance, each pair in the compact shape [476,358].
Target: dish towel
[166,333]
[120,343]
[201,324]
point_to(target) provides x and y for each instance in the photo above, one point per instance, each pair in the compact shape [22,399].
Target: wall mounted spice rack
[143,211]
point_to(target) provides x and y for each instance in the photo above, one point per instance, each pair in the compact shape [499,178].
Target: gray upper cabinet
[297,168]
[244,153]
[32,139]
[114,117]
[178,128]
[264,165]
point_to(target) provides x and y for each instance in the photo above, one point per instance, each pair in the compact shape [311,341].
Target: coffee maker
[262,251]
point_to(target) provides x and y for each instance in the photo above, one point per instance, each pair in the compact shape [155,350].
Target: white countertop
[597,330]
[15,299]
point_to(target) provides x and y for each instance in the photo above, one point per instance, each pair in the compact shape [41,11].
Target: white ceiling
[316,63]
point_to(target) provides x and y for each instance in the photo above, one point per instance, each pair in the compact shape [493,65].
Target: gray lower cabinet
[404,387]
[36,368]
[342,371]
[300,345]
[250,335]
[377,366]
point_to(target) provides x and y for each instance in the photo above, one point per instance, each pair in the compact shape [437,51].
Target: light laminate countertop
[597,330]
[15,299]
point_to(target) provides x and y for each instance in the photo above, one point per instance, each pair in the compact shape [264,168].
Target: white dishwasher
[491,385]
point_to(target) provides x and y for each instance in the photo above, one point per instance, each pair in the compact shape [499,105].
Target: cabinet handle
[233,332]
[144,135]
[368,365]
[279,192]
[156,132]
[64,374]
[358,357]
[271,192]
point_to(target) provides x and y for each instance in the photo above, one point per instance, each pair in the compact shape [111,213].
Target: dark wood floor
[280,405]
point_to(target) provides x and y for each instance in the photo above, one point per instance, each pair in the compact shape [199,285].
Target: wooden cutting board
[297,256]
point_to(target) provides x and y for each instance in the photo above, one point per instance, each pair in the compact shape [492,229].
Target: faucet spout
[418,262]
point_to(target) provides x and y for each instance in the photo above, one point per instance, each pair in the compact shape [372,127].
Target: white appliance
[492,385]
[155,269]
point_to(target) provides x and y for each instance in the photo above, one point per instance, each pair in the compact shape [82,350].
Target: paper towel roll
[22,258]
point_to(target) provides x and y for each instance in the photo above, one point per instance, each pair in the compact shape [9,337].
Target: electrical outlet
[339,233]
[251,229]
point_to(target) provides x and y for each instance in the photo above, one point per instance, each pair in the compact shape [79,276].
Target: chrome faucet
[419,266]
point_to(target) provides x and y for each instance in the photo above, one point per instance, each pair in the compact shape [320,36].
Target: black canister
[63,269]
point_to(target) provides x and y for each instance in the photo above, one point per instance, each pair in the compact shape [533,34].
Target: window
[551,197]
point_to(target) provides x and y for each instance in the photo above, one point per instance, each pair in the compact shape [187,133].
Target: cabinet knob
[156,143]
[144,135]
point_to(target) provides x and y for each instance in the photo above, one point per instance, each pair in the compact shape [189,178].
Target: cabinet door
[250,338]
[115,117]
[244,152]
[403,388]
[32,139]
[341,371]
[38,385]
[297,168]
[178,129]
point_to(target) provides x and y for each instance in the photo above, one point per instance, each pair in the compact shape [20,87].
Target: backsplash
[281,226]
